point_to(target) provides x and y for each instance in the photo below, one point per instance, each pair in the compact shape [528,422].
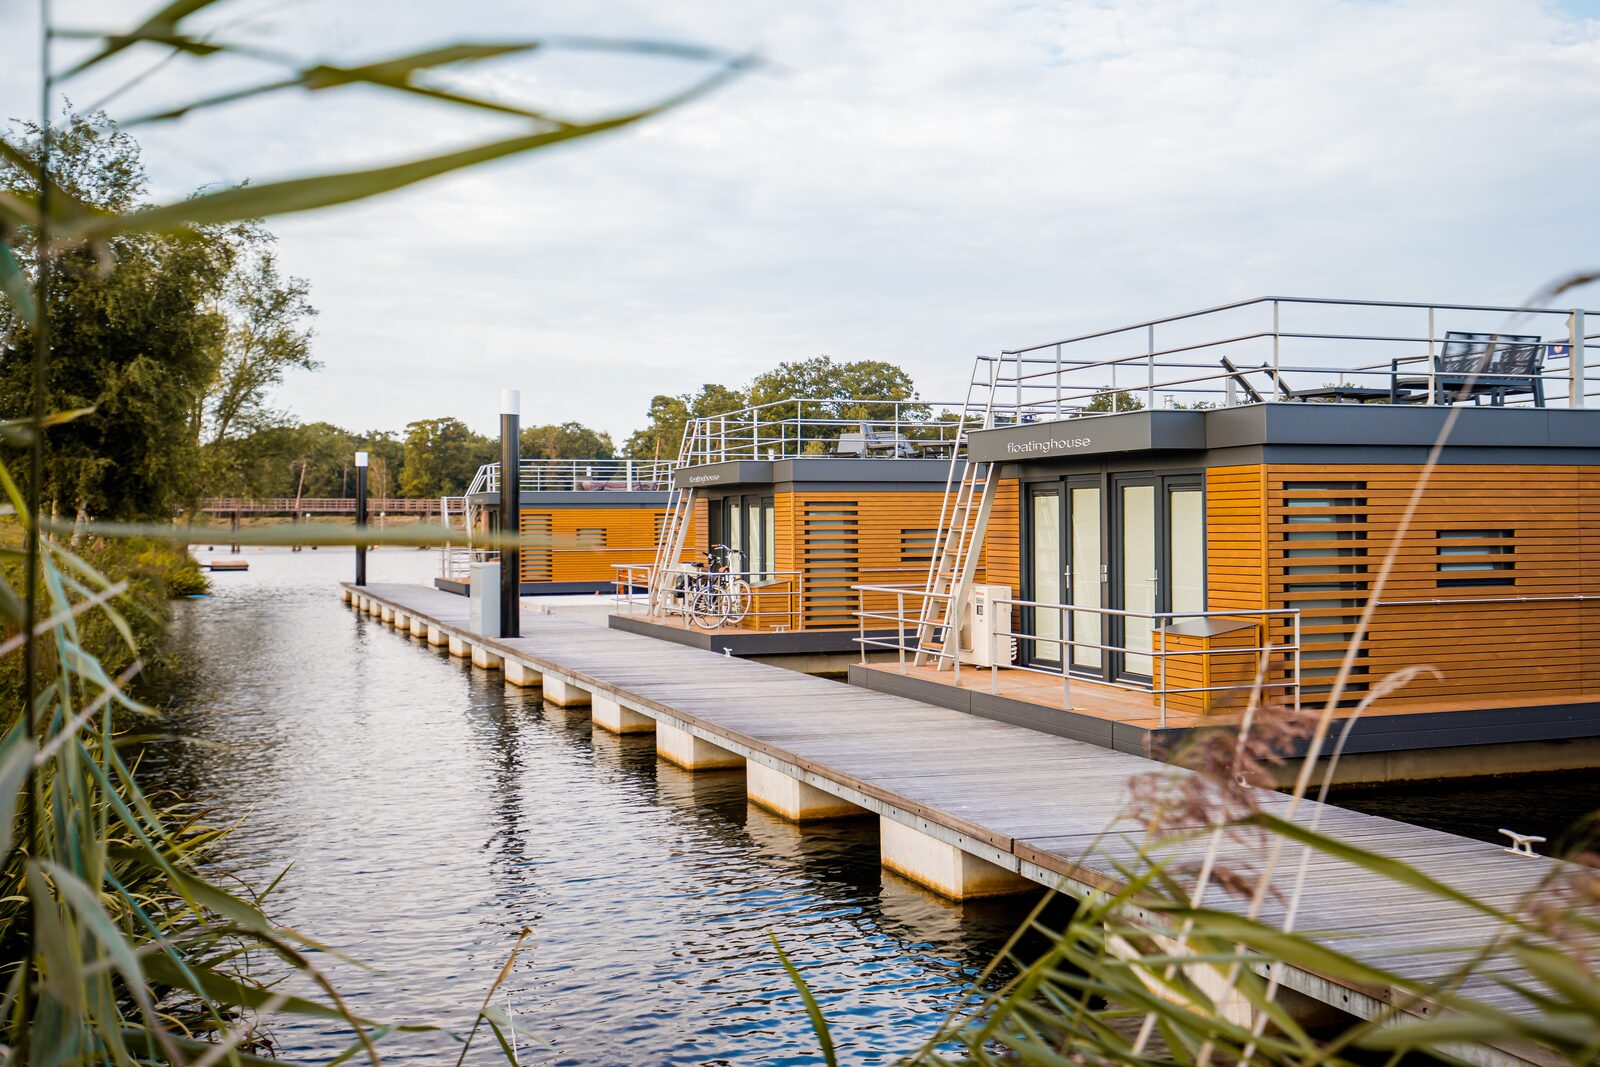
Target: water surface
[429,814]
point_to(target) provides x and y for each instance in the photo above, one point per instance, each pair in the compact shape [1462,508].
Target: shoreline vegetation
[140,342]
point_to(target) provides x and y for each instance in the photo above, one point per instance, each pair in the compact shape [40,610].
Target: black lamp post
[361,516]
[510,514]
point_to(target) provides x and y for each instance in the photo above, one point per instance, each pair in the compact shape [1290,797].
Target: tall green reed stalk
[117,948]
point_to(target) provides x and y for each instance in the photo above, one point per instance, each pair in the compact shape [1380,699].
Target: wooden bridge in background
[319,505]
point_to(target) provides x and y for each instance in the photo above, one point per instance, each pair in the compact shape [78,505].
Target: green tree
[839,395]
[440,456]
[668,415]
[136,331]
[569,440]
[1121,400]
[267,336]
[174,342]
[391,448]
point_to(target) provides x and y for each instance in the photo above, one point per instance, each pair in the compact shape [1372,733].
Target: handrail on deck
[787,588]
[906,636]
[856,428]
[580,475]
[1291,348]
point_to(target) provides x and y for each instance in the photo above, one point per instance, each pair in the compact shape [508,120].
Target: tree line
[438,457]
[172,346]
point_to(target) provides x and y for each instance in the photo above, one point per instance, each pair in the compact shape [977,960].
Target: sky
[918,182]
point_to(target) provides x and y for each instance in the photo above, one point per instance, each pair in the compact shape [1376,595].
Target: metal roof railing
[856,428]
[1281,348]
[580,475]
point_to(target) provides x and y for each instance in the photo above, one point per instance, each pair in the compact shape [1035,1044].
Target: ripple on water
[430,814]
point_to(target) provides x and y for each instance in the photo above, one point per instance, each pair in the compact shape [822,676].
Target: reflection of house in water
[1204,494]
[810,499]
[580,519]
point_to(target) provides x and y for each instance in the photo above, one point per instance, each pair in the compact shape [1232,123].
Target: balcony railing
[1304,349]
[849,429]
[891,618]
[580,475]
[767,601]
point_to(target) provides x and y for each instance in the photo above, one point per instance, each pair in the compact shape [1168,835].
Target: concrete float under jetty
[970,807]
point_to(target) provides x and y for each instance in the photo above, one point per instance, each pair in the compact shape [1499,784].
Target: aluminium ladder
[963,521]
[679,517]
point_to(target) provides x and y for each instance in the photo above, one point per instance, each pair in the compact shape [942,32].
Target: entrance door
[1086,575]
[1137,575]
[1046,576]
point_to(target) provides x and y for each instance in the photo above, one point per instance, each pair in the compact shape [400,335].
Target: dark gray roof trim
[809,470]
[1283,424]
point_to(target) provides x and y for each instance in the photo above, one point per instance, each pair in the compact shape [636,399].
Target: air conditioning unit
[983,628]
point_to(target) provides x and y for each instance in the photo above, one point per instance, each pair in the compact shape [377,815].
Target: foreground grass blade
[819,1022]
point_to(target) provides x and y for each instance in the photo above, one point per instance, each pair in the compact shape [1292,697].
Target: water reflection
[430,813]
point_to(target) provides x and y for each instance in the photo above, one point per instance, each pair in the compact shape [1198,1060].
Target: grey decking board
[1041,796]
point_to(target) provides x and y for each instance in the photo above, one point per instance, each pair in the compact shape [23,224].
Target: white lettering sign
[1054,444]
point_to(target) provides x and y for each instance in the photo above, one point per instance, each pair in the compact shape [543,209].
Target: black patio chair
[1476,365]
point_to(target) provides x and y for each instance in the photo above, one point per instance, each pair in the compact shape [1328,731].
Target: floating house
[804,501]
[581,519]
[1309,498]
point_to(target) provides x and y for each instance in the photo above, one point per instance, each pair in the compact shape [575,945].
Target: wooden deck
[1031,802]
[1129,720]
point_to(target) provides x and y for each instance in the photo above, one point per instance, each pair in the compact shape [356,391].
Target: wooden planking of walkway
[1033,803]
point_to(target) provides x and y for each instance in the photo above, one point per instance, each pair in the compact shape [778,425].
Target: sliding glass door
[1133,543]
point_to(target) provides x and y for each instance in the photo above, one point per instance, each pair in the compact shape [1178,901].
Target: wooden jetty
[226,565]
[969,806]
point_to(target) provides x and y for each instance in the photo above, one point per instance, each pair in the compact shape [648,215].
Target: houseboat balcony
[1301,350]
[815,428]
[579,476]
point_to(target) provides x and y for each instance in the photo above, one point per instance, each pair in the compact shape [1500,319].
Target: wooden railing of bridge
[333,505]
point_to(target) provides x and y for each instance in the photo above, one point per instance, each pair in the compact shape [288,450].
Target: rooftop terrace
[1299,349]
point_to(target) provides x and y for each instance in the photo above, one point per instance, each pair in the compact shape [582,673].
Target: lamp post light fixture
[361,517]
[510,513]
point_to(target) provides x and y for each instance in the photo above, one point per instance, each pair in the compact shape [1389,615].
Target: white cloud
[918,182]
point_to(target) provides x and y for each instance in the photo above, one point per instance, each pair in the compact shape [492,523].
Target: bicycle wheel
[736,601]
[704,609]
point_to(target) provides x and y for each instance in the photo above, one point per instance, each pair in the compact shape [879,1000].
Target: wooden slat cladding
[1235,538]
[1002,548]
[1480,533]
[582,544]
[842,539]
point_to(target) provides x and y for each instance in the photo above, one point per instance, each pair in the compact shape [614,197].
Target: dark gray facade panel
[1324,432]
[734,472]
[809,471]
[1134,431]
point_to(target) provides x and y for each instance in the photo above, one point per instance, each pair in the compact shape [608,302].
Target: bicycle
[713,595]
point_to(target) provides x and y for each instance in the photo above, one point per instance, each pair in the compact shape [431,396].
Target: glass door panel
[1045,575]
[1138,575]
[1084,578]
[1186,550]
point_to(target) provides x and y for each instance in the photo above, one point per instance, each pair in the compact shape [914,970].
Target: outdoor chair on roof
[1338,393]
[872,441]
[1476,365]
